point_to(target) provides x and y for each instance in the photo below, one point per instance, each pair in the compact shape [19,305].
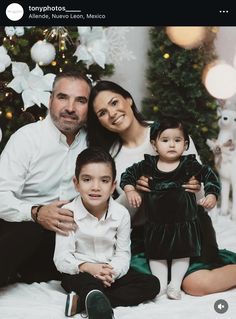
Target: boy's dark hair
[94,155]
[165,123]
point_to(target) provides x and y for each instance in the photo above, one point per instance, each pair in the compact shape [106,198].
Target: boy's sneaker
[72,304]
[98,306]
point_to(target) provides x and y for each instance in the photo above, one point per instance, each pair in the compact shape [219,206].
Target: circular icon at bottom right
[221,306]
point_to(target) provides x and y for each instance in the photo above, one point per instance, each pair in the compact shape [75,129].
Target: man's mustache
[72,115]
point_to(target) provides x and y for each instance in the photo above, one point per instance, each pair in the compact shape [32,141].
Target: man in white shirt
[36,168]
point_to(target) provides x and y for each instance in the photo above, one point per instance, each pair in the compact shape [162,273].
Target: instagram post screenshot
[117,160]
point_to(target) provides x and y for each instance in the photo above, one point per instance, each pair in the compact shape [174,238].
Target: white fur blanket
[47,300]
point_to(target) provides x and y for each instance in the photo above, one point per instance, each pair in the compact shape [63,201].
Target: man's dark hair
[94,155]
[71,74]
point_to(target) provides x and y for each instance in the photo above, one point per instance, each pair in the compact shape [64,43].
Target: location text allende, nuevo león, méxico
[67,16]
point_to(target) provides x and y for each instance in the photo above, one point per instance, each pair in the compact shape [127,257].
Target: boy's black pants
[129,290]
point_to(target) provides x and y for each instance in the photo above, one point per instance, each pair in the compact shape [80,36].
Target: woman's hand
[142,184]
[193,185]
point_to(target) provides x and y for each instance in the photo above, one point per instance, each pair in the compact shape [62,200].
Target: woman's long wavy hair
[99,135]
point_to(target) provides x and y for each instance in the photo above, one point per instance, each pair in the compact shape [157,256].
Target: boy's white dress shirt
[98,241]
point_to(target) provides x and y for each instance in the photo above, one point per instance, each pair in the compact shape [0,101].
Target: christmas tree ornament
[34,85]
[219,79]
[43,52]
[9,115]
[19,31]
[166,56]
[187,37]
[2,67]
[61,34]
[5,59]
[93,47]
[0,134]
[10,31]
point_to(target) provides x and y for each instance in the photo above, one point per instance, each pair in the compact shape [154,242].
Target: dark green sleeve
[210,181]
[132,174]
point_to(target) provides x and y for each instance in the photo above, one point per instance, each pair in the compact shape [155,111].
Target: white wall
[132,74]
[225,44]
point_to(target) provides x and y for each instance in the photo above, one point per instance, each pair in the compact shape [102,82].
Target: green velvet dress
[211,257]
[172,225]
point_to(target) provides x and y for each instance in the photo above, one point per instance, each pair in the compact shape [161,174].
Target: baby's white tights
[178,269]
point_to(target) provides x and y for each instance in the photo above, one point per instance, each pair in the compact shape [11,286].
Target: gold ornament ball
[187,37]
[166,56]
[155,108]
[9,115]
[204,129]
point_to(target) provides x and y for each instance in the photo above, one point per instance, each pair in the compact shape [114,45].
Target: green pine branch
[175,88]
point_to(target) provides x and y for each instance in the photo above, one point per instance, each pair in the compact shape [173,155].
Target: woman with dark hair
[115,124]
[106,137]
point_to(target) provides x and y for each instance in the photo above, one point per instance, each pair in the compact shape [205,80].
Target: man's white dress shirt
[97,241]
[37,167]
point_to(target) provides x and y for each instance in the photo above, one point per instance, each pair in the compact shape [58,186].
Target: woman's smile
[118,119]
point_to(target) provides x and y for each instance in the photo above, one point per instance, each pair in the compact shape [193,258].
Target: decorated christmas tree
[29,59]
[175,84]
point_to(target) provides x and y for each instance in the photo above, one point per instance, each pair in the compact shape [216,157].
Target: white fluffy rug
[47,300]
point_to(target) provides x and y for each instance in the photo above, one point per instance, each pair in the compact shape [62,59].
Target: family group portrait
[117,172]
